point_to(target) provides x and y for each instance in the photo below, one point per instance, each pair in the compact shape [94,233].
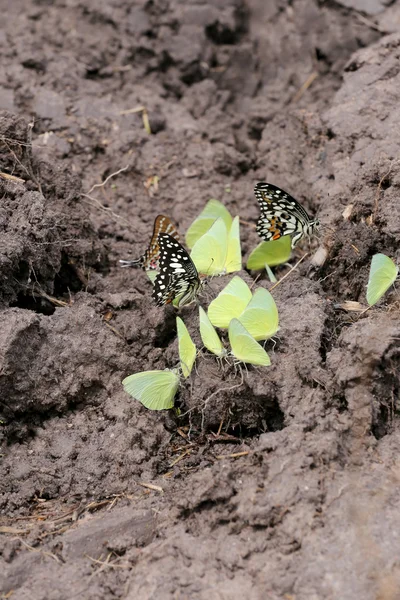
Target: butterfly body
[178,276]
[150,259]
[282,215]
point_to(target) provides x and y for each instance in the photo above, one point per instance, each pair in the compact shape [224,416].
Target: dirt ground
[100,498]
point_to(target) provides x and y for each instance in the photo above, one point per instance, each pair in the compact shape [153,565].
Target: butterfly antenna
[323,227]
[136,263]
[191,383]
[207,272]
[207,283]
[247,371]
[247,223]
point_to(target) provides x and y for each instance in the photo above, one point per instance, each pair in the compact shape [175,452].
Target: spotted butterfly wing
[178,276]
[281,215]
[150,259]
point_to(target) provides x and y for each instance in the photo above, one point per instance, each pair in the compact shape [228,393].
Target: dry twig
[288,273]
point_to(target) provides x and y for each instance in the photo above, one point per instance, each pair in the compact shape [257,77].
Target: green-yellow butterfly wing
[209,336]
[260,317]
[233,261]
[210,213]
[154,389]
[244,347]
[152,274]
[209,252]
[270,253]
[187,349]
[230,303]
[382,275]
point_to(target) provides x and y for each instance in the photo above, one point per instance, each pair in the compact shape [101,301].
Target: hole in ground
[67,279]
[386,390]
[166,331]
[262,415]
[30,301]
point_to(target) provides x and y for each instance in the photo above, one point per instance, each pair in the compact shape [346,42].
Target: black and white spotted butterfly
[281,215]
[178,276]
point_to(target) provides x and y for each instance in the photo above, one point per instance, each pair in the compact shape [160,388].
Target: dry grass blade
[304,87]
[182,433]
[370,23]
[13,530]
[51,299]
[145,116]
[288,273]
[150,486]
[146,122]
[351,306]
[106,562]
[180,457]
[44,552]
[132,111]
[233,455]
[114,330]
[11,177]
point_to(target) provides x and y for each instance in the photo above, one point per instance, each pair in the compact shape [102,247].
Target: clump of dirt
[280,481]
[49,245]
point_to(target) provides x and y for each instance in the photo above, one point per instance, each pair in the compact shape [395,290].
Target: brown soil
[304,94]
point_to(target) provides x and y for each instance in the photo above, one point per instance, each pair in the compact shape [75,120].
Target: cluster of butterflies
[178,278]
[214,241]
[249,318]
